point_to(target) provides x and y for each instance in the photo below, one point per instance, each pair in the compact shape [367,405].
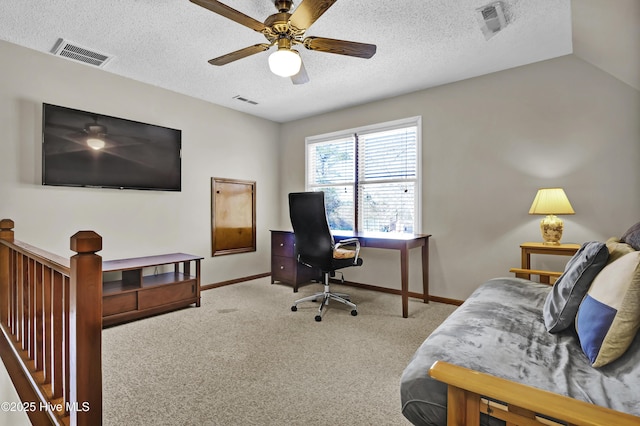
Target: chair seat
[342,253]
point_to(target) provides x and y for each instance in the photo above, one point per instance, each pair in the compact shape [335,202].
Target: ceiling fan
[285,30]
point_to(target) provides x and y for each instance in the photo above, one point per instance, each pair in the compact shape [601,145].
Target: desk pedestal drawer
[284,269]
[284,265]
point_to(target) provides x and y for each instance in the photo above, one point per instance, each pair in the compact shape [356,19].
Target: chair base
[326,296]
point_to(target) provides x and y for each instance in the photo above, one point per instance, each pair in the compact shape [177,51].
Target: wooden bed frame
[468,391]
[523,405]
[51,328]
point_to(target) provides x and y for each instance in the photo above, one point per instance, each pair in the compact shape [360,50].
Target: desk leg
[198,271]
[425,271]
[404,277]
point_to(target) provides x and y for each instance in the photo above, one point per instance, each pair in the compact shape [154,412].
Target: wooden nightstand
[539,248]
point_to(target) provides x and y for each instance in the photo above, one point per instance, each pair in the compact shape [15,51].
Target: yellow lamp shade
[550,202]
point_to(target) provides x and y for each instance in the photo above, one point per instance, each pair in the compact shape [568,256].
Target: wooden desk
[402,242]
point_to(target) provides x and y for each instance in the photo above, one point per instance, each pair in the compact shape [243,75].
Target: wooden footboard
[523,405]
[51,328]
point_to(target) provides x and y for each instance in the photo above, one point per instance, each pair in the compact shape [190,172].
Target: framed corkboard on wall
[233,216]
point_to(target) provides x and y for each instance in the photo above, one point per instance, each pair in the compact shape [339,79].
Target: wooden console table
[136,295]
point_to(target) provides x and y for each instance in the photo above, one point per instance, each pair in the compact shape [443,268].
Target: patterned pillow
[609,316]
[632,236]
[563,301]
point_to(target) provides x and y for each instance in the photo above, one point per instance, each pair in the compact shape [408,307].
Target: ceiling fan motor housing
[283,5]
[277,23]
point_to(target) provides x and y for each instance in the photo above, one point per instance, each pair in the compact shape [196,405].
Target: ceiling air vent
[78,53]
[243,99]
[491,19]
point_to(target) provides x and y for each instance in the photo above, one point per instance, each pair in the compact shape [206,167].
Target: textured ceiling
[421,44]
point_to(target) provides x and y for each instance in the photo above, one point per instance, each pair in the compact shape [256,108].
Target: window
[370,176]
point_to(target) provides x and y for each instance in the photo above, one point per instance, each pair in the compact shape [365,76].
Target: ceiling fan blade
[224,10]
[239,54]
[341,47]
[302,77]
[308,12]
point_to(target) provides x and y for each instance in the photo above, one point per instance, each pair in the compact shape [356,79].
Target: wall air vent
[73,51]
[243,99]
[491,19]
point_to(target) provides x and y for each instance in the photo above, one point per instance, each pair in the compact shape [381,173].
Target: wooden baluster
[56,350]
[66,342]
[22,296]
[86,329]
[31,302]
[13,277]
[39,325]
[47,313]
[6,233]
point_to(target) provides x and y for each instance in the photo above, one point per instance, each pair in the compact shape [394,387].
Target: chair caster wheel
[294,308]
[354,312]
[318,318]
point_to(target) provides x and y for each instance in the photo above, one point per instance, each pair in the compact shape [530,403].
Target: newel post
[85,327]
[6,233]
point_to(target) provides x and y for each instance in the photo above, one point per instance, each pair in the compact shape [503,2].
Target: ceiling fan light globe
[95,143]
[285,62]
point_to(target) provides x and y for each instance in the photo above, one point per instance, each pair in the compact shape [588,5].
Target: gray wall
[216,142]
[488,144]
[607,35]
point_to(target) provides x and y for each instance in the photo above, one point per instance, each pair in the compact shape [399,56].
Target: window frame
[370,129]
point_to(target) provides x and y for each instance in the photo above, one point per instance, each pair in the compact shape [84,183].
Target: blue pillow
[563,301]
[609,316]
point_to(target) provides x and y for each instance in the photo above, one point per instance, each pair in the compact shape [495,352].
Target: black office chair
[316,248]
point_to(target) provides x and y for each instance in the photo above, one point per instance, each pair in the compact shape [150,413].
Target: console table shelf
[136,295]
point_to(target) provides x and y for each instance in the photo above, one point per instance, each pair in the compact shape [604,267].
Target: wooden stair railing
[51,328]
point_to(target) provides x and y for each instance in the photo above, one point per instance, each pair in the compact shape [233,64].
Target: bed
[500,332]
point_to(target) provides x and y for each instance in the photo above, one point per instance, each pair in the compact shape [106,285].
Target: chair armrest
[546,277]
[467,387]
[350,242]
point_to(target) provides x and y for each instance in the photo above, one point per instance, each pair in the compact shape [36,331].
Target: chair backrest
[314,242]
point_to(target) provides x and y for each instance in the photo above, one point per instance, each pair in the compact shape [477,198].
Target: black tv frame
[135,155]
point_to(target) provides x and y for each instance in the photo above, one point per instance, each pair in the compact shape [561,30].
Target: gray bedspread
[499,330]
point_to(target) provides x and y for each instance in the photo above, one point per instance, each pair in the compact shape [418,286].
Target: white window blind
[331,168]
[370,176]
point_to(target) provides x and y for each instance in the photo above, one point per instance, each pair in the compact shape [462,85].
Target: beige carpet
[243,358]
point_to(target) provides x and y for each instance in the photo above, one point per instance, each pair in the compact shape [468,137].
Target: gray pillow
[632,236]
[563,301]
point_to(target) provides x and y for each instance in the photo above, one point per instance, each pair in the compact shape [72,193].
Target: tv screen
[81,148]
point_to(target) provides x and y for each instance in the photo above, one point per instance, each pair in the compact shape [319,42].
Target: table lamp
[550,202]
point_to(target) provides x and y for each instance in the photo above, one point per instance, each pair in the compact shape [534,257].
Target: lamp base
[551,228]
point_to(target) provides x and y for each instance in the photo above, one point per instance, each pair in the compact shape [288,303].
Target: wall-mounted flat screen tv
[81,148]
